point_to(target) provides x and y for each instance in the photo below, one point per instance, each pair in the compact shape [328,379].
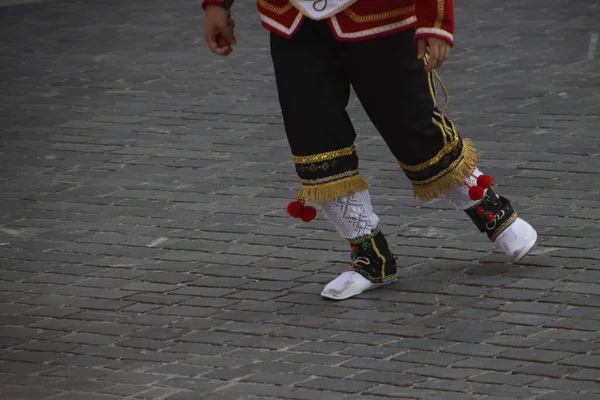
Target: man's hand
[219,30]
[439,50]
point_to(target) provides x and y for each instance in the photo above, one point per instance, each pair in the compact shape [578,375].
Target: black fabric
[502,214]
[371,257]
[314,72]
[323,169]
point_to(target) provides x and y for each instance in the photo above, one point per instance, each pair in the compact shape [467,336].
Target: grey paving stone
[491,364]
[552,370]
[445,373]
[588,361]
[337,385]
[125,390]
[506,391]
[428,357]
[475,350]
[534,355]
[197,385]
[518,380]
[568,385]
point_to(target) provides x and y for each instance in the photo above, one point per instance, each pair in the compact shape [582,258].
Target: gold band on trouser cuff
[330,175]
[448,169]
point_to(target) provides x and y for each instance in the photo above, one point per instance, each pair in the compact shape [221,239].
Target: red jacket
[364,19]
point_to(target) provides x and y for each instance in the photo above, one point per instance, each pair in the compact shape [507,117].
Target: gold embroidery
[441,173]
[378,17]
[315,167]
[276,10]
[330,155]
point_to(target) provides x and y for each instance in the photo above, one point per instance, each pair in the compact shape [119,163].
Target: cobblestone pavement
[146,253]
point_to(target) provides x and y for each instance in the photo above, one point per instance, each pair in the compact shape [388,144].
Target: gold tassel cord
[332,190]
[460,170]
[444,89]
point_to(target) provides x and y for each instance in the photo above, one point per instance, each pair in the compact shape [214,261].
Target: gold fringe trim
[332,190]
[462,170]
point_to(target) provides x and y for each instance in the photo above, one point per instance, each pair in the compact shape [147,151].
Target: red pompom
[490,216]
[480,211]
[308,214]
[485,181]
[295,208]
[476,192]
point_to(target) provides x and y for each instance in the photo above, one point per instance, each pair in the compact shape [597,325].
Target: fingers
[439,51]
[228,34]
[444,53]
[433,57]
[447,50]
[219,30]
[220,41]
[217,44]
[421,48]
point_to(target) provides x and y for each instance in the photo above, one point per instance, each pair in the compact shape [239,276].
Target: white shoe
[348,284]
[517,239]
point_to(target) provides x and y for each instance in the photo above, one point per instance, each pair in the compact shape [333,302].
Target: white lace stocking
[352,216]
[460,196]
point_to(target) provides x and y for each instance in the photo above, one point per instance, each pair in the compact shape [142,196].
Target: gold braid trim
[364,238]
[378,17]
[440,15]
[446,181]
[332,190]
[380,256]
[330,155]
[503,227]
[357,268]
[274,9]
[419,167]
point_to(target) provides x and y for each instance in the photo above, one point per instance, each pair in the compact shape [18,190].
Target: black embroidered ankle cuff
[493,214]
[371,257]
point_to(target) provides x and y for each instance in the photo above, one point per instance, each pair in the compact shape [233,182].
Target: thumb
[421,48]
